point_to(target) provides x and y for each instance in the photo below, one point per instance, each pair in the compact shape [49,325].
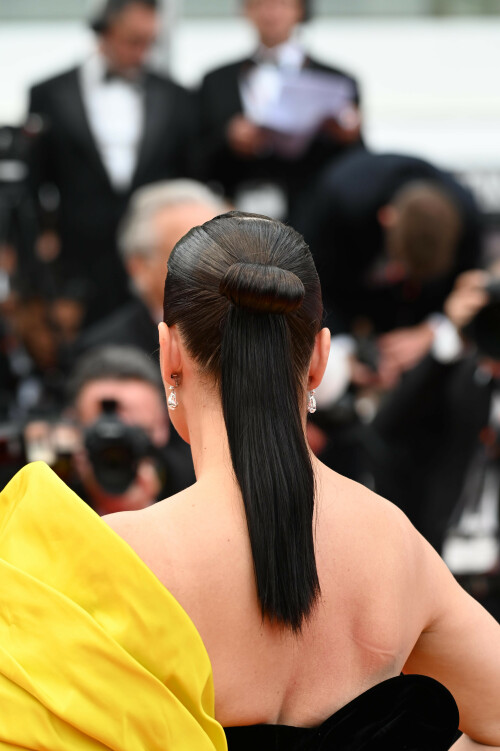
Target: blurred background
[139,132]
[428,68]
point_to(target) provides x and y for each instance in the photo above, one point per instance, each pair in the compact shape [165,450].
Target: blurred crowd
[115,163]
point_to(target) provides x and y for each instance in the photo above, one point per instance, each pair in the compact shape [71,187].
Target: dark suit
[90,207]
[424,439]
[339,221]
[430,425]
[219,100]
[130,325]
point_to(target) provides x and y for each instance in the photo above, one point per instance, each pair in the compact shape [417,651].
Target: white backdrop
[430,86]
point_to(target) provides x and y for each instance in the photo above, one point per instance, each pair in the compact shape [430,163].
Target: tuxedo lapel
[224,96]
[233,90]
[158,112]
[72,110]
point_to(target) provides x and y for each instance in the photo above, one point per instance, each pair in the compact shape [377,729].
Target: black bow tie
[134,78]
[266,58]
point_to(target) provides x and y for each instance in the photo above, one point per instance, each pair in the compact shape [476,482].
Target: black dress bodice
[406,713]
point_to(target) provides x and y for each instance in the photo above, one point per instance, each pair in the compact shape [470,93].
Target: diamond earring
[311,403]
[172,401]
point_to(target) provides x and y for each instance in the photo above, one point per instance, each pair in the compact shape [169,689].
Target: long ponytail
[257,344]
[266,438]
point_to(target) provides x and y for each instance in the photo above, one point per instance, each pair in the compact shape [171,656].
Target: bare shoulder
[180,538]
[126,524]
[141,528]
[450,636]
[377,549]
[373,520]
[456,642]
[460,647]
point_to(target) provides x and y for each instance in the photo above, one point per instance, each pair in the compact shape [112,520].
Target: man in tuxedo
[239,155]
[389,234]
[435,442]
[110,126]
[157,217]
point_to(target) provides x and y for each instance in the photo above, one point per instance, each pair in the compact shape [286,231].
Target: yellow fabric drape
[94,652]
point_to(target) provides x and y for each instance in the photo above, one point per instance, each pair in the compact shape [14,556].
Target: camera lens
[115,449]
[115,467]
[484,330]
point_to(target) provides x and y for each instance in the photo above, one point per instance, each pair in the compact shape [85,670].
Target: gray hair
[117,362]
[136,235]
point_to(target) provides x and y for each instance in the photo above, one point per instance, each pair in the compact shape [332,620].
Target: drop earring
[311,402]
[172,400]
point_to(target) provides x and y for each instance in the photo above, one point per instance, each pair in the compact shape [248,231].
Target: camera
[367,352]
[484,329]
[115,449]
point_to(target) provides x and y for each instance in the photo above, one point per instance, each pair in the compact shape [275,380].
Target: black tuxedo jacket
[338,219]
[130,325]
[90,207]
[426,434]
[219,100]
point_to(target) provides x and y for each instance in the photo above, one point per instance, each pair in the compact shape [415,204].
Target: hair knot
[262,288]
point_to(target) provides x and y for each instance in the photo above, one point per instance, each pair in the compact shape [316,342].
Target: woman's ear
[174,361]
[319,358]
[170,353]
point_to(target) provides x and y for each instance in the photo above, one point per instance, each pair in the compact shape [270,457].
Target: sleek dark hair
[245,295]
[112,8]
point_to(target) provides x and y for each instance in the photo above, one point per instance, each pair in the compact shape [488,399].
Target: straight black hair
[245,296]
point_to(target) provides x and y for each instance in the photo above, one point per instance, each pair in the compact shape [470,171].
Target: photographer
[438,438]
[389,233]
[114,450]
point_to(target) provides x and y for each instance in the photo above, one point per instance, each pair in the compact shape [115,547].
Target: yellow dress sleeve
[94,652]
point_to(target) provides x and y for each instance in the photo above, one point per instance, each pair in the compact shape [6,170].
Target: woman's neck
[207,435]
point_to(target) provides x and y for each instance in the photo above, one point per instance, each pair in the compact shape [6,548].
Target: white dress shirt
[287,56]
[115,110]
[262,84]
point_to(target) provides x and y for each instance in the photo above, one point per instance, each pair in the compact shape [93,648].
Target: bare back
[362,629]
